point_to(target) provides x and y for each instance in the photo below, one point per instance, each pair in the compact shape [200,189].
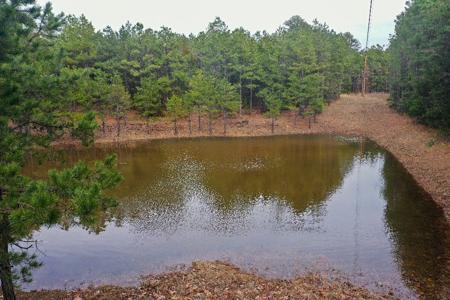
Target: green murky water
[280,206]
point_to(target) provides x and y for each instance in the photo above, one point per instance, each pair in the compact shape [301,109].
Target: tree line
[420,62]
[217,72]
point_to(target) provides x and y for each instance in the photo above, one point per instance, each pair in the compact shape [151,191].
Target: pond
[279,206]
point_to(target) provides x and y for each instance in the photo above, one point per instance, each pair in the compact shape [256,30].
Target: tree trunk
[309,122]
[251,96]
[273,125]
[210,123]
[125,77]
[118,126]
[5,264]
[240,93]
[199,122]
[300,112]
[147,124]
[103,126]
[224,122]
[175,127]
[190,123]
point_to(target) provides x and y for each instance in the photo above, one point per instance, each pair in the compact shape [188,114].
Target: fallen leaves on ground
[218,280]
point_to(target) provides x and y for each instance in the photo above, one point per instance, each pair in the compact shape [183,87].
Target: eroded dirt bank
[216,280]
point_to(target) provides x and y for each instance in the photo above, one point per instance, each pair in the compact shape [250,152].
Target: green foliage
[311,92]
[176,107]
[153,65]
[226,97]
[272,103]
[118,99]
[84,126]
[84,88]
[201,92]
[306,91]
[47,88]
[149,98]
[78,42]
[24,263]
[75,193]
[378,60]
[420,62]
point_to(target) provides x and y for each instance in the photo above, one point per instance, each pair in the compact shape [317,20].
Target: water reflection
[279,204]
[226,186]
[417,230]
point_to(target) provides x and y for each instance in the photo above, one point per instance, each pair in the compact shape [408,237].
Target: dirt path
[417,147]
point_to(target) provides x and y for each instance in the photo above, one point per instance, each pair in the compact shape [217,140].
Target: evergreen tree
[149,98]
[227,100]
[78,42]
[420,62]
[378,60]
[273,104]
[32,114]
[176,110]
[312,93]
[118,102]
[200,94]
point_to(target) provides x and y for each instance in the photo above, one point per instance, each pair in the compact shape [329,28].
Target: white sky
[193,16]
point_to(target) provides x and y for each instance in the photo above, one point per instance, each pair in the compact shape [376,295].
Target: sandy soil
[216,280]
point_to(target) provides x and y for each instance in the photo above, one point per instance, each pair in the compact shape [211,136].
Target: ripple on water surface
[280,206]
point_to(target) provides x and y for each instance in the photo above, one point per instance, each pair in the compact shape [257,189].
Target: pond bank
[216,280]
[417,147]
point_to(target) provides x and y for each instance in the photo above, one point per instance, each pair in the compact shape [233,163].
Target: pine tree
[227,100]
[176,110]
[119,102]
[33,114]
[420,62]
[273,104]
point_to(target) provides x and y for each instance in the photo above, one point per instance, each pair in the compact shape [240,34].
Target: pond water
[280,206]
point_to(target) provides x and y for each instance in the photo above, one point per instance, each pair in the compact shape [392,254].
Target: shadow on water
[278,205]
[418,230]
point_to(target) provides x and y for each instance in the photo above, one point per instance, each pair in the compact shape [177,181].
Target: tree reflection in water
[277,204]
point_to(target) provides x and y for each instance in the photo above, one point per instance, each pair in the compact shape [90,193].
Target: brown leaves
[218,280]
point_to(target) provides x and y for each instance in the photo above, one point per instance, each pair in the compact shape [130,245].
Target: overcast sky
[193,16]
